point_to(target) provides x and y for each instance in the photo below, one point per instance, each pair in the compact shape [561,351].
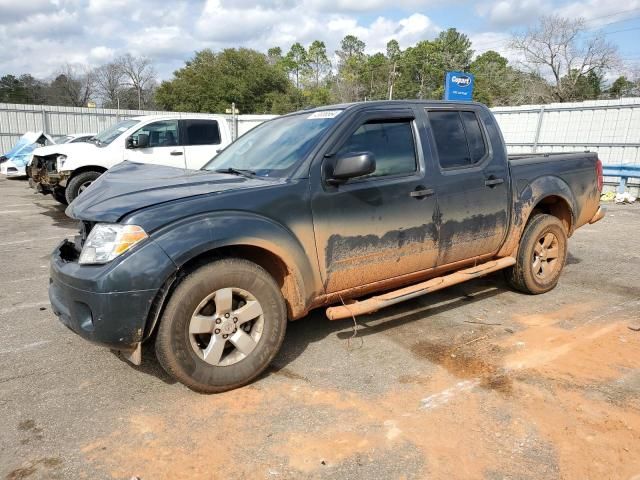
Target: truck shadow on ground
[56,213]
[316,327]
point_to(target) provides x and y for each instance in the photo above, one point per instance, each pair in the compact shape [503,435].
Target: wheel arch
[286,279]
[200,239]
[87,168]
[546,194]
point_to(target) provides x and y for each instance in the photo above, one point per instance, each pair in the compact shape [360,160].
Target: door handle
[175,153]
[421,192]
[493,181]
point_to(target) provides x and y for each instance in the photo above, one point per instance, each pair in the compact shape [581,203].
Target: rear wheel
[541,256]
[222,326]
[79,183]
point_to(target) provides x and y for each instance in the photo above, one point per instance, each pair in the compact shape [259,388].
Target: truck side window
[477,148]
[202,132]
[458,136]
[161,134]
[391,142]
[450,139]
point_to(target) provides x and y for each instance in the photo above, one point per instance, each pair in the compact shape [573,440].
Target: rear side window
[391,143]
[477,148]
[202,132]
[459,139]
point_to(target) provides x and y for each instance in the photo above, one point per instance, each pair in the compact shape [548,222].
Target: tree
[297,62]
[110,79]
[420,72]
[73,86]
[210,82]
[561,49]
[622,87]
[318,61]
[140,73]
[496,83]
[454,50]
[393,57]
[350,82]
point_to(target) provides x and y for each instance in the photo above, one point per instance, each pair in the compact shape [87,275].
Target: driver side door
[379,226]
[163,147]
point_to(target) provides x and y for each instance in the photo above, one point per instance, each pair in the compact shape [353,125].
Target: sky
[38,36]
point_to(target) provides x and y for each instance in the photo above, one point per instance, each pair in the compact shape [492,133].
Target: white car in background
[178,140]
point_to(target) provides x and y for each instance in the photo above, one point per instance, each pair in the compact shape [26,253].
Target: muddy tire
[78,183]
[59,194]
[541,256]
[222,326]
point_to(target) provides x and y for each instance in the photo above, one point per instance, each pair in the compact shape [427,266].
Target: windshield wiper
[237,171]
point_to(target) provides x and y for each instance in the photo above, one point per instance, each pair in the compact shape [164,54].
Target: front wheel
[541,256]
[79,183]
[222,326]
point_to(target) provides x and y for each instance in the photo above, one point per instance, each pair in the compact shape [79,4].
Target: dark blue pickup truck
[317,208]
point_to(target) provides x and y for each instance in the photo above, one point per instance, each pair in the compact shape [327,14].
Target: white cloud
[508,13]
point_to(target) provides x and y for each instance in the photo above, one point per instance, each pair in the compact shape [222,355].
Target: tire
[79,182]
[59,194]
[182,342]
[541,256]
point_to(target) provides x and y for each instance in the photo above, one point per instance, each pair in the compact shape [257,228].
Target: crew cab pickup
[178,140]
[323,207]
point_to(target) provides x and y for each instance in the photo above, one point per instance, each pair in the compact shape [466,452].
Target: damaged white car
[178,140]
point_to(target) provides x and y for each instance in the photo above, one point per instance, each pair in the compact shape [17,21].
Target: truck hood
[66,149]
[131,186]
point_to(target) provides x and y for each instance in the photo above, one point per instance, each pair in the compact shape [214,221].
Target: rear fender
[527,198]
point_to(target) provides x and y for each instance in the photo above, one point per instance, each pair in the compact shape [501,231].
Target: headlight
[108,240]
[60,162]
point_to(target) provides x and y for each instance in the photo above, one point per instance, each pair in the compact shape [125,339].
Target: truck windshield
[275,148]
[110,134]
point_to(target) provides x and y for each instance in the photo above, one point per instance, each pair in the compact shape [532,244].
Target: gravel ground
[476,381]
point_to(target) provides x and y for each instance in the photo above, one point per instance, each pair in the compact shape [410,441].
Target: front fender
[188,238]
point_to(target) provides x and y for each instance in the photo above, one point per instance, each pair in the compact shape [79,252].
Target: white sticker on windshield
[122,129]
[324,114]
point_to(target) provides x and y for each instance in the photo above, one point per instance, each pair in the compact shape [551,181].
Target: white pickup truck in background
[178,140]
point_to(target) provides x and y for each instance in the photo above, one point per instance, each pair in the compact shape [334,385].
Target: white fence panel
[609,127]
[16,119]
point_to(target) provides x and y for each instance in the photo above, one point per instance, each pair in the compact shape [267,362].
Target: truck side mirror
[143,140]
[128,143]
[352,165]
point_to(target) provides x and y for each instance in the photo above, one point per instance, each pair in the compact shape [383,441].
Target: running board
[374,304]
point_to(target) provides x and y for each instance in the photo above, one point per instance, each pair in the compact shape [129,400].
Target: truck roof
[391,103]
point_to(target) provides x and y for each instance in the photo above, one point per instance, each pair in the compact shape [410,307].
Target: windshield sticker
[122,129]
[324,114]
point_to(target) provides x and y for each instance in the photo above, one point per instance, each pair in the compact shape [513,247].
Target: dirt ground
[474,382]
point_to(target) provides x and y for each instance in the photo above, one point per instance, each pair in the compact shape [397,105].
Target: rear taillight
[599,175]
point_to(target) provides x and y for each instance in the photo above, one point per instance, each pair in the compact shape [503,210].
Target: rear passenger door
[472,184]
[379,226]
[201,140]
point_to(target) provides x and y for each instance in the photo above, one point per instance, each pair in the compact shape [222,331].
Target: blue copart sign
[458,86]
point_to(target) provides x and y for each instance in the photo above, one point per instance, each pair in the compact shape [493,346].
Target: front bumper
[11,169]
[108,304]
